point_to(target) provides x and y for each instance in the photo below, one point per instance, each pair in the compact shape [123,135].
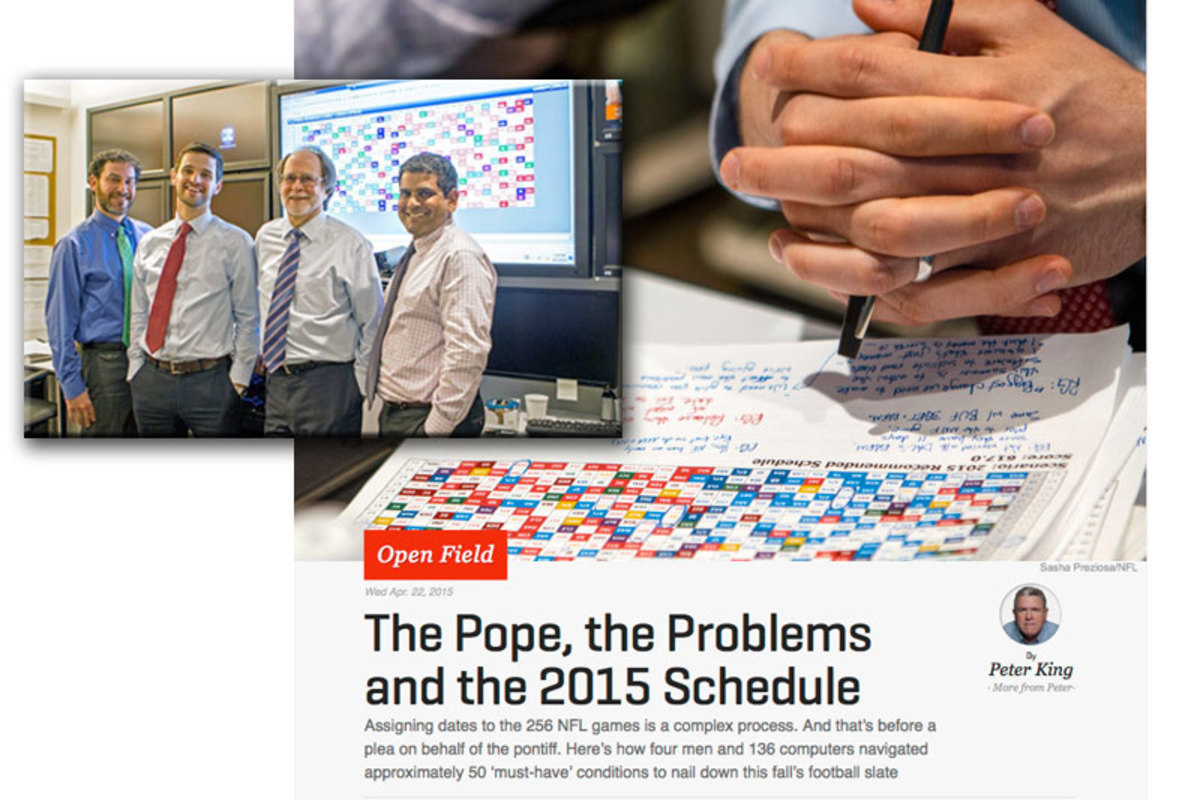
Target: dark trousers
[104,368]
[323,400]
[203,402]
[406,423]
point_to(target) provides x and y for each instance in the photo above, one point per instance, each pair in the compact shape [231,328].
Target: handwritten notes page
[1093,521]
[962,448]
[1008,398]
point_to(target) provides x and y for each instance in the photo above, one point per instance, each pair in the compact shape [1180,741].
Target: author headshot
[1030,624]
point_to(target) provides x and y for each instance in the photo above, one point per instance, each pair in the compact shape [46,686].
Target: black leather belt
[305,366]
[103,346]
[406,406]
[187,367]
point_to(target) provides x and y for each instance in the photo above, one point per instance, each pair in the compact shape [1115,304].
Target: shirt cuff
[240,373]
[72,386]
[436,424]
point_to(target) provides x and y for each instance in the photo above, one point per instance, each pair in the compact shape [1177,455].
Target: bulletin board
[40,159]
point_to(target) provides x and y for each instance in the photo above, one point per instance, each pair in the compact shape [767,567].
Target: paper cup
[536,404]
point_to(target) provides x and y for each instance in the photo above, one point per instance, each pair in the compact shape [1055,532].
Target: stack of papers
[978,448]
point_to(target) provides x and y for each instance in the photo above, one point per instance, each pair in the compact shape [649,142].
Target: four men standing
[194,302]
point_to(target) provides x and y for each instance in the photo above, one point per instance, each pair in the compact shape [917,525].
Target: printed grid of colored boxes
[567,510]
[489,141]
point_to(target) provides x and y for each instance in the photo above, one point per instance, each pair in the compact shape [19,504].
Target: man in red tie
[194,319]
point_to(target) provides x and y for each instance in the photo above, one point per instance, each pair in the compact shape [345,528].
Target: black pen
[858,309]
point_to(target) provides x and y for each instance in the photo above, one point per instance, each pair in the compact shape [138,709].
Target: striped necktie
[275,333]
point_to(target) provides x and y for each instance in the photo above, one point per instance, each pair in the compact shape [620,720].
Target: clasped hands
[1018,162]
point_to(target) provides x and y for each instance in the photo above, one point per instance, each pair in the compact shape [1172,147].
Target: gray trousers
[170,405]
[407,423]
[321,401]
[104,368]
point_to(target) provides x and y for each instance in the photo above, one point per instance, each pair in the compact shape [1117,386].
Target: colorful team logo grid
[490,142]
[566,511]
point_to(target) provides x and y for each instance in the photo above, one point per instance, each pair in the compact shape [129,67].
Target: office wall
[76,97]
[46,117]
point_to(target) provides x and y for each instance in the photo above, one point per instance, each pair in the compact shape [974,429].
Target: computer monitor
[522,150]
[546,334]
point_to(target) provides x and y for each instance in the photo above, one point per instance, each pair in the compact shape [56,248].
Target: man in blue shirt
[87,302]
[1029,625]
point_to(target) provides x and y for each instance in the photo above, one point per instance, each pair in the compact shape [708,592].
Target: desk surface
[658,310]
[36,355]
[664,311]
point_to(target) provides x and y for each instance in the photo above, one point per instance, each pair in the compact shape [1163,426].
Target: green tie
[126,251]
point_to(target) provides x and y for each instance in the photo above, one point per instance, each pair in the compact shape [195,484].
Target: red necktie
[160,310]
[1085,309]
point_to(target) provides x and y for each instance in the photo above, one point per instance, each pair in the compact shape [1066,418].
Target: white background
[146,635]
[146,589]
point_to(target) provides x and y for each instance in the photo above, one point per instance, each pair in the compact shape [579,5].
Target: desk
[654,309]
[38,410]
[663,311]
[586,426]
[43,401]
[658,310]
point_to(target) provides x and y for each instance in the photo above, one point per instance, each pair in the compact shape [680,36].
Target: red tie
[160,310]
[1085,309]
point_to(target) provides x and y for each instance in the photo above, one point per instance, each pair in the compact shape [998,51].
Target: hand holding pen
[881,155]
[860,307]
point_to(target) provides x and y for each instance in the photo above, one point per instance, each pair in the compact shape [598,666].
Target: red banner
[435,555]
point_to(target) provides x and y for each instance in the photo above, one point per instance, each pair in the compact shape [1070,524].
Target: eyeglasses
[307,181]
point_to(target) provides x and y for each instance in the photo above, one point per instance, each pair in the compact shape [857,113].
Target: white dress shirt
[437,342]
[338,297]
[215,310]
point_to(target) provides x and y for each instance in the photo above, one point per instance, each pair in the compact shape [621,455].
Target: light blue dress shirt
[338,298]
[215,310]
[1048,629]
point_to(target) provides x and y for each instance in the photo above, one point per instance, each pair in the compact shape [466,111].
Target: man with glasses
[319,298]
